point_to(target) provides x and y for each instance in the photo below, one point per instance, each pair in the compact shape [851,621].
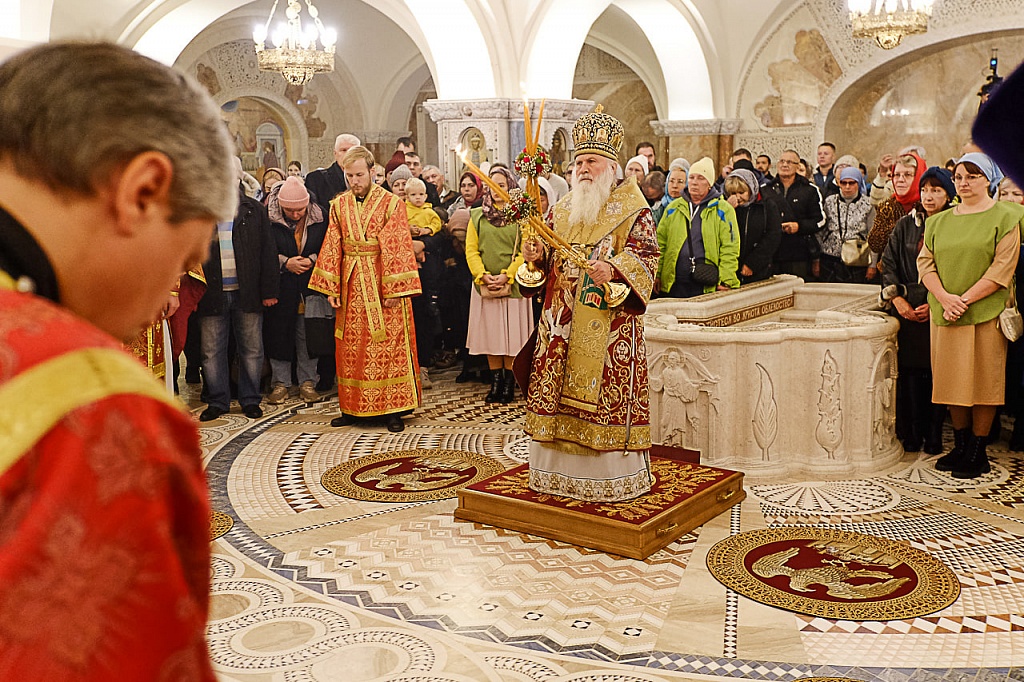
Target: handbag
[856,253]
[504,292]
[701,271]
[1010,322]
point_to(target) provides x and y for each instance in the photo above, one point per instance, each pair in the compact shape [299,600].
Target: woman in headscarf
[849,216]
[271,176]
[759,222]
[967,262]
[470,194]
[675,183]
[500,319]
[637,168]
[918,422]
[906,180]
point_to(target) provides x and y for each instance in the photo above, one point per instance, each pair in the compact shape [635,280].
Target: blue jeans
[248,330]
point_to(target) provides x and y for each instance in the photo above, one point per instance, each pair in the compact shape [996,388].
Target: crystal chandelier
[295,54]
[888,21]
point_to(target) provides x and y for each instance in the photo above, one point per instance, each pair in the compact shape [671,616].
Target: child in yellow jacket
[423,220]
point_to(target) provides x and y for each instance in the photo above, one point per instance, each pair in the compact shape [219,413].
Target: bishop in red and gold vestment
[587,402]
[368,270]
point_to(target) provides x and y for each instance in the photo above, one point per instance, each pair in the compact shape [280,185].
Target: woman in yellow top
[967,262]
[500,319]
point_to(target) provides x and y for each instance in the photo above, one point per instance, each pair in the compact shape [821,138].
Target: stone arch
[938,120]
[168,27]
[668,26]
[396,102]
[914,48]
[296,137]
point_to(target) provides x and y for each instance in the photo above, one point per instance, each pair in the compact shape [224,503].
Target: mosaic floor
[309,586]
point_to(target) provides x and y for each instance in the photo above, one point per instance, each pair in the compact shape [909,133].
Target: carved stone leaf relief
[766,414]
[829,432]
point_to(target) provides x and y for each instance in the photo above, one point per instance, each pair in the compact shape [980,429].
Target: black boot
[508,390]
[951,461]
[933,438]
[975,460]
[497,386]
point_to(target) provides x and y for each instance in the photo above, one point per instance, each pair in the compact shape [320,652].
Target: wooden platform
[684,496]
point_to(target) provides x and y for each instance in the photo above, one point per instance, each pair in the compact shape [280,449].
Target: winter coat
[279,320]
[255,262]
[721,240]
[760,228]
[801,204]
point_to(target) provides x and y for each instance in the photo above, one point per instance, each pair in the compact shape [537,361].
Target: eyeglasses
[904,176]
[960,179]
[848,182]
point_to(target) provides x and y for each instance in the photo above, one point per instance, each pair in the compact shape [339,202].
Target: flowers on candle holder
[531,165]
[519,207]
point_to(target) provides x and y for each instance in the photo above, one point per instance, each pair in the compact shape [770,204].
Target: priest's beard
[588,198]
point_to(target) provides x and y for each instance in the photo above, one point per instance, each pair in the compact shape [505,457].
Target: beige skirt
[498,326]
[968,364]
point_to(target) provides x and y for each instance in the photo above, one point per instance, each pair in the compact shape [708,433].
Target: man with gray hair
[326,183]
[102,207]
[587,396]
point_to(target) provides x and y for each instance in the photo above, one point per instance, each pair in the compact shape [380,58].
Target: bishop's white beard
[588,198]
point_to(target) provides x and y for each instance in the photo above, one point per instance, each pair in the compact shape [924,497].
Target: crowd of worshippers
[717,230]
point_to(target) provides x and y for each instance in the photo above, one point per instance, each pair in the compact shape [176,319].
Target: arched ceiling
[473,49]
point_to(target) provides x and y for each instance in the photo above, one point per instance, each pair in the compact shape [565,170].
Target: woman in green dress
[967,262]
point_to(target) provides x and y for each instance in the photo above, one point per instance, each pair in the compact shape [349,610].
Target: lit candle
[528,128]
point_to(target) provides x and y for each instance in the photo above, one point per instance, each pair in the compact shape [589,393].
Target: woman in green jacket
[698,227]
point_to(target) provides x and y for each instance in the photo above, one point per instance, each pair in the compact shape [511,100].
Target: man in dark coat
[802,216]
[326,183]
[241,279]
[298,225]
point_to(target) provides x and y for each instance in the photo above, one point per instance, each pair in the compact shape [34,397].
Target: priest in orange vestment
[368,271]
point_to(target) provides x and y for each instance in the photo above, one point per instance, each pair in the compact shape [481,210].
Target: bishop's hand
[532,250]
[600,272]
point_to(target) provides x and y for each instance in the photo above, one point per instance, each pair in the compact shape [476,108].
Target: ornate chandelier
[888,21]
[295,54]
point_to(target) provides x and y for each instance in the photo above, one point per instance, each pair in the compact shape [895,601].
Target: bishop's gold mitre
[598,133]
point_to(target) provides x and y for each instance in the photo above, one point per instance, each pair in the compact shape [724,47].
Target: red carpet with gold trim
[673,481]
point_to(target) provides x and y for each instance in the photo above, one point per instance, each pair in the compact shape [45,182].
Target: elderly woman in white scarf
[675,183]
[637,168]
[759,221]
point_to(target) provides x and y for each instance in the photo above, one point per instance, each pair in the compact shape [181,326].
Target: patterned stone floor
[311,586]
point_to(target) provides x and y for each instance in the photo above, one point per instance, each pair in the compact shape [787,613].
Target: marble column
[493,129]
[692,140]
